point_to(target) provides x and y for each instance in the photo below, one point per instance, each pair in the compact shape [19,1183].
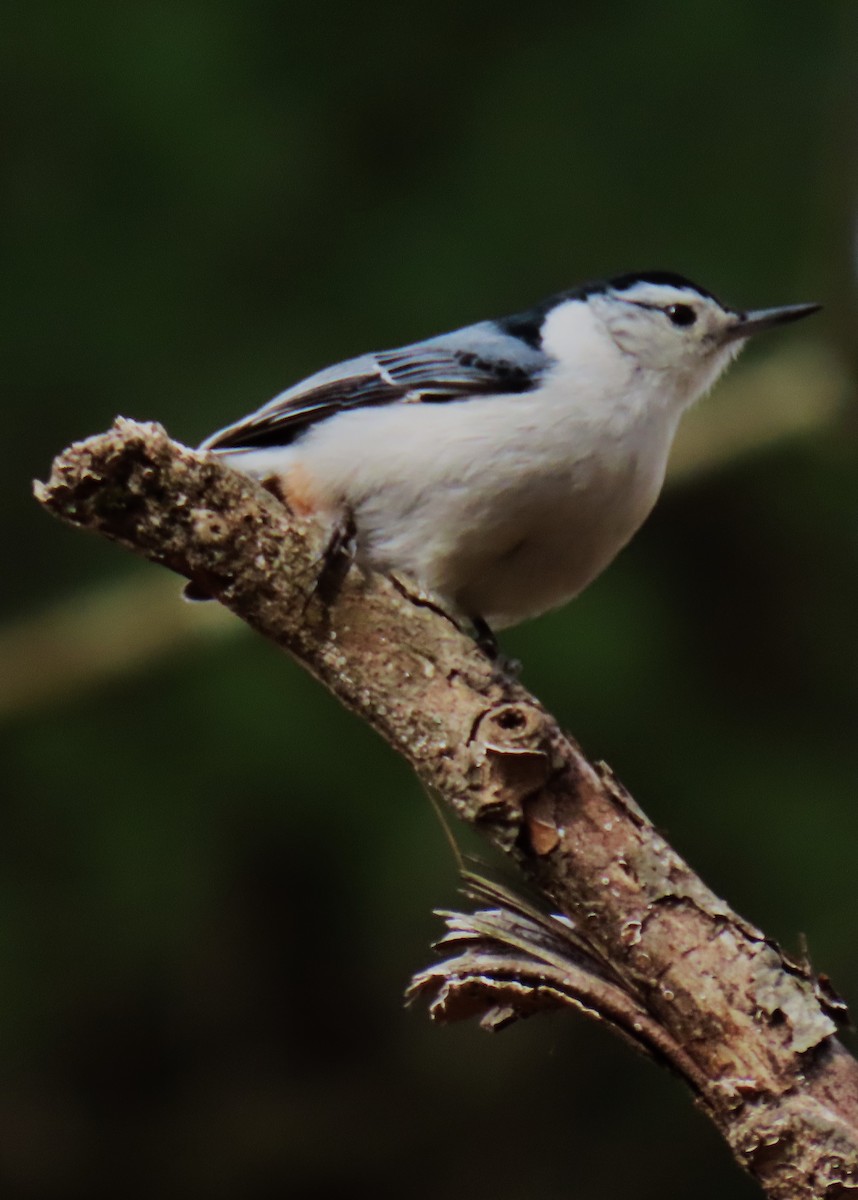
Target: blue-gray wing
[478,361]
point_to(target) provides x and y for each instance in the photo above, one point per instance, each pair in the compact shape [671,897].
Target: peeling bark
[756,1027]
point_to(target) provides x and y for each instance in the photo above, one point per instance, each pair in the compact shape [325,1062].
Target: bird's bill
[749,323]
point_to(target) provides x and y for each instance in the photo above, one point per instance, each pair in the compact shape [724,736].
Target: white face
[673,331]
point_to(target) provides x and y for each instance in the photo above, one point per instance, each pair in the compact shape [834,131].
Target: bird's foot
[486,640]
[336,559]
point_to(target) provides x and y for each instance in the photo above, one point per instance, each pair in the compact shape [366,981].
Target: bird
[502,467]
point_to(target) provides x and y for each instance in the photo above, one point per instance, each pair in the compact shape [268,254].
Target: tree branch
[754,1029]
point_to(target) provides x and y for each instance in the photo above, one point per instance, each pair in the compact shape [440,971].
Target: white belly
[501,508]
[544,544]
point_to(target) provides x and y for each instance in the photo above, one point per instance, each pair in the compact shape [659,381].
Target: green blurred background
[214,884]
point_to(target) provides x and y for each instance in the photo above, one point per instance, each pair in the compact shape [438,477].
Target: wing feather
[429,372]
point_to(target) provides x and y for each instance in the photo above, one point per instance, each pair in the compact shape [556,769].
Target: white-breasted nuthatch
[503,466]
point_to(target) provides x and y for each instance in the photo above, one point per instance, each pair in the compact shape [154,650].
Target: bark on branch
[648,945]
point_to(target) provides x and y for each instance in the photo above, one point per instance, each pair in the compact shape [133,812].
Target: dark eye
[681,314]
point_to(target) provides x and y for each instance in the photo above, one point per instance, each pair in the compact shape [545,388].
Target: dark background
[214,884]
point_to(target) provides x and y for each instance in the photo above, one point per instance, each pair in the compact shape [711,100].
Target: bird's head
[677,330]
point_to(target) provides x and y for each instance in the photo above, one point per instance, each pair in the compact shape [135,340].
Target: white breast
[503,506]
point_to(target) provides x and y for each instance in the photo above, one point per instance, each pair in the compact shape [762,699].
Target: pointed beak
[750,323]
